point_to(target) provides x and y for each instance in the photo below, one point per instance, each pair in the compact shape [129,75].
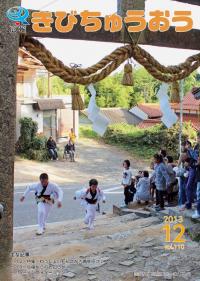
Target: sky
[88,52]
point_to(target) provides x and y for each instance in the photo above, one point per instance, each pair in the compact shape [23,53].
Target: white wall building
[53,115]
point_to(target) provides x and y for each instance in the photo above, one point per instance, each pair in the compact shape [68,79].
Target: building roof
[49,104]
[118,115]
[28,58]
[189,103]
[149,123]
[151,109]
[194,119]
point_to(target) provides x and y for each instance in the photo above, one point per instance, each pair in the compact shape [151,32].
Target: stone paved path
[118,248]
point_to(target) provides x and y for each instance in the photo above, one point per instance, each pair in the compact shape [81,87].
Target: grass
[87,132]
[144,152]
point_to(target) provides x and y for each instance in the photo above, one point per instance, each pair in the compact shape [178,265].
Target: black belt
[91,201]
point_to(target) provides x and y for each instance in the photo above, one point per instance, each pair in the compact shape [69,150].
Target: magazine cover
[99,140]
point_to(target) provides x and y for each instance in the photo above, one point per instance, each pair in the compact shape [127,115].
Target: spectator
[152,181]
[197,146]
[126,182]
[196,215]
[190,182]
[72,136]
[143,188]
[180,170]
[170,170]
[183,155]
[70,149]
[138,176]
[51,146]
[132,189]
[192,154]
[162,181]
[163,153]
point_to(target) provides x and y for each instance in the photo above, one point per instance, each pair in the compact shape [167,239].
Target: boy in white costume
[45,194]
[89,199]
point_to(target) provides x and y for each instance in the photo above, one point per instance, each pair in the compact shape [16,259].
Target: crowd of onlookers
[170,183]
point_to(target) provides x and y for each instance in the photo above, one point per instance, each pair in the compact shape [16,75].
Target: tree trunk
[9,43]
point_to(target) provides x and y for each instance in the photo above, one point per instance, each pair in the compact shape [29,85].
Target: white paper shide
[169,117]
[100,122]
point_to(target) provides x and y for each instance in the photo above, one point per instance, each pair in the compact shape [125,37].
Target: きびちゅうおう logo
[18,15]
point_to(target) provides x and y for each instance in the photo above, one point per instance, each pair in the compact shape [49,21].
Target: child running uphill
[90,198]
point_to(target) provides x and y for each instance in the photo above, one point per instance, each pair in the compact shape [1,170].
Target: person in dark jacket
[70,149]
[162,181]
[51,146]
[170,190]
[192,153]
[190,182]
[197,146]
[196,215]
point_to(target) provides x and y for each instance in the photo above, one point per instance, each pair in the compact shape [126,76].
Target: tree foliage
[191,81]
[110,91]
[58,86]
[145,87]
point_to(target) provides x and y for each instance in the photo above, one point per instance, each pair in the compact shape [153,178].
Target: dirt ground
[93,159]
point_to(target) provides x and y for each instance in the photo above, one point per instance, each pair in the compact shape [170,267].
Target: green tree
[42,84]
[191,81]
[110,91]
[58,86]
[145,87]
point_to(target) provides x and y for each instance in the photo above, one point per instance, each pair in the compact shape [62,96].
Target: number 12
[178,238]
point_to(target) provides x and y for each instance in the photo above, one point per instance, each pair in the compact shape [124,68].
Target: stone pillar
[9,43]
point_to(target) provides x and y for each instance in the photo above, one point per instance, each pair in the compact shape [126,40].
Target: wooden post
[74,120]
[9,43]
[123,7]
[49,85]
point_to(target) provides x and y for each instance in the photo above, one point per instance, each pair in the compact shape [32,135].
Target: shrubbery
[144,142]
[39,155]
[31,145]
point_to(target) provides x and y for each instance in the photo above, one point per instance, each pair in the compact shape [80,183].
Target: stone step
[141,213]
[121,211]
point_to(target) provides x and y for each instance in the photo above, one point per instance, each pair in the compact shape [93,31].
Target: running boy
[90,198]
[45,194]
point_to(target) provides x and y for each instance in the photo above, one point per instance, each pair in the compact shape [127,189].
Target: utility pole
[181,87]
[9,44]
